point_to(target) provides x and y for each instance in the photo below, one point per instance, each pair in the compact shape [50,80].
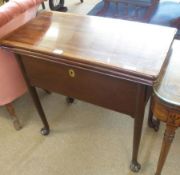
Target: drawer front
[96,88]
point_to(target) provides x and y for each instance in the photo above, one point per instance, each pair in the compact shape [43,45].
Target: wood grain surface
[136,51]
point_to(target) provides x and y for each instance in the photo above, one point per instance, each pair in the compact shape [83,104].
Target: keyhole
[71,73]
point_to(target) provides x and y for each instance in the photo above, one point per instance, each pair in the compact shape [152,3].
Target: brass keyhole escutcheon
[71,73]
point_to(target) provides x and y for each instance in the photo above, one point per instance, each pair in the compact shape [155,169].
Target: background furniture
[166,102]
[161,12]
[13,14]
[58,5]
[140,10]
[167,14]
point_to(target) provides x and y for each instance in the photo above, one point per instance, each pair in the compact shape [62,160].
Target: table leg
[153,123]
[43,5]
[138,121]
[69,100]
[34,95]
[104,9]
[167,140]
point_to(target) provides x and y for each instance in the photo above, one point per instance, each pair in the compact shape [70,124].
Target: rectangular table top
[131,50]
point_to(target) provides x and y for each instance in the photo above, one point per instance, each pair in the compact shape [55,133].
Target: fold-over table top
[133,50]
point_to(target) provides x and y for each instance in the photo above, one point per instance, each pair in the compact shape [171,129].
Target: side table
[166,102]
[112,70]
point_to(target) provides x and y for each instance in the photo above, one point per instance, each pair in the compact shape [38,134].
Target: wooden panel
[135,49]
[93,87]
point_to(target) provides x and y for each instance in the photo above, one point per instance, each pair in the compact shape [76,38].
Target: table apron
[97,88]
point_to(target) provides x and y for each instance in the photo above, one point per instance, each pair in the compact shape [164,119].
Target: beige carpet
[84,139]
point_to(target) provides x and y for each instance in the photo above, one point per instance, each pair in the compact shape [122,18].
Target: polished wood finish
[137,6]
[123,49]
[166,102]
[114,67]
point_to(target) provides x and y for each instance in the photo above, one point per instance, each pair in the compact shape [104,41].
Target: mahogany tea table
[108,62]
